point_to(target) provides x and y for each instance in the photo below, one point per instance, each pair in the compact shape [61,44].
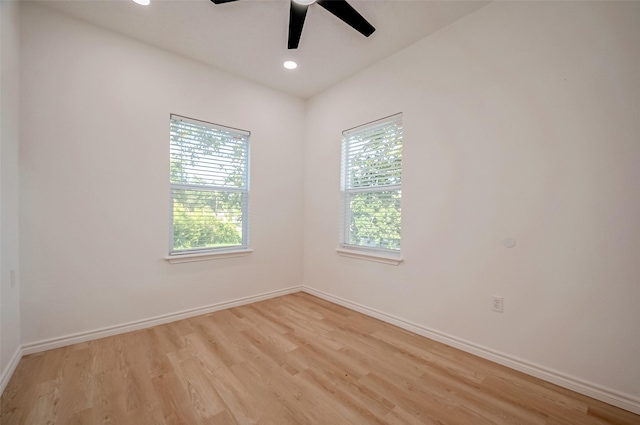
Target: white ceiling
[249,37]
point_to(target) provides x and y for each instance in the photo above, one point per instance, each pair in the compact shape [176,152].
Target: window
[209,187]
[371,186]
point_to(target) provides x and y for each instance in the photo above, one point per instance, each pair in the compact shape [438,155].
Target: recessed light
[305,2]
[290,65]
[143,2]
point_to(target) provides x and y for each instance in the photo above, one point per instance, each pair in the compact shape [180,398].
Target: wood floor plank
[206,331]
[76,384]
[273,350]
[266,400]
[292,360]
[222,418]
[423,355]
[202,394]
[474,394]
[354,409]
[45,409]
[24,388]
[399,416]
[140,398]
[175,403]
[235,396]
[109,405]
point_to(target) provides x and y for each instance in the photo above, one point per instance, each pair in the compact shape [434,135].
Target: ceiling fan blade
[297,15]
[348,14]
[222,1]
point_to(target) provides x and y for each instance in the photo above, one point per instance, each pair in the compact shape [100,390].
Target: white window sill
[377,257]
[205,256]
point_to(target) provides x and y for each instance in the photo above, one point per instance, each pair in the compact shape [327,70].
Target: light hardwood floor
[290,360]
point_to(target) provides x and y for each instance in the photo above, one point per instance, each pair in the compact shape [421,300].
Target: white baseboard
[50,344]
[615,398]
[6,374]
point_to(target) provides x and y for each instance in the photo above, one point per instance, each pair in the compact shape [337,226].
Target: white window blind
[209,186]
[372,185]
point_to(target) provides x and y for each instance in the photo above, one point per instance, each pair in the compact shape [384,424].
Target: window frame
[227,251]
[372,253]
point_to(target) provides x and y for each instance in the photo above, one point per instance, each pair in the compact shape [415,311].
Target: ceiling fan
[340,8]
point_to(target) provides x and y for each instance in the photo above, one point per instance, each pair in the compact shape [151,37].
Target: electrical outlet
[496,304]
[13,278]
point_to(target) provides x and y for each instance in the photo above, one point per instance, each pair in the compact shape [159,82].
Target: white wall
[9,111]
[521,120]
[94,169]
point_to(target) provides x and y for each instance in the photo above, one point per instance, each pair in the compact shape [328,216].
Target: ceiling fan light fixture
[290,65]
[298,13]
[143,2]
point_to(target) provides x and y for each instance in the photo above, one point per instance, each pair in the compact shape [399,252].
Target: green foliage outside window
[372,187]
[208,173]
[197,225]
[375,219]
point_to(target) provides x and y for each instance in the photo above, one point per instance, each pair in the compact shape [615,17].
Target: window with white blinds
[372,185]
[209,187]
